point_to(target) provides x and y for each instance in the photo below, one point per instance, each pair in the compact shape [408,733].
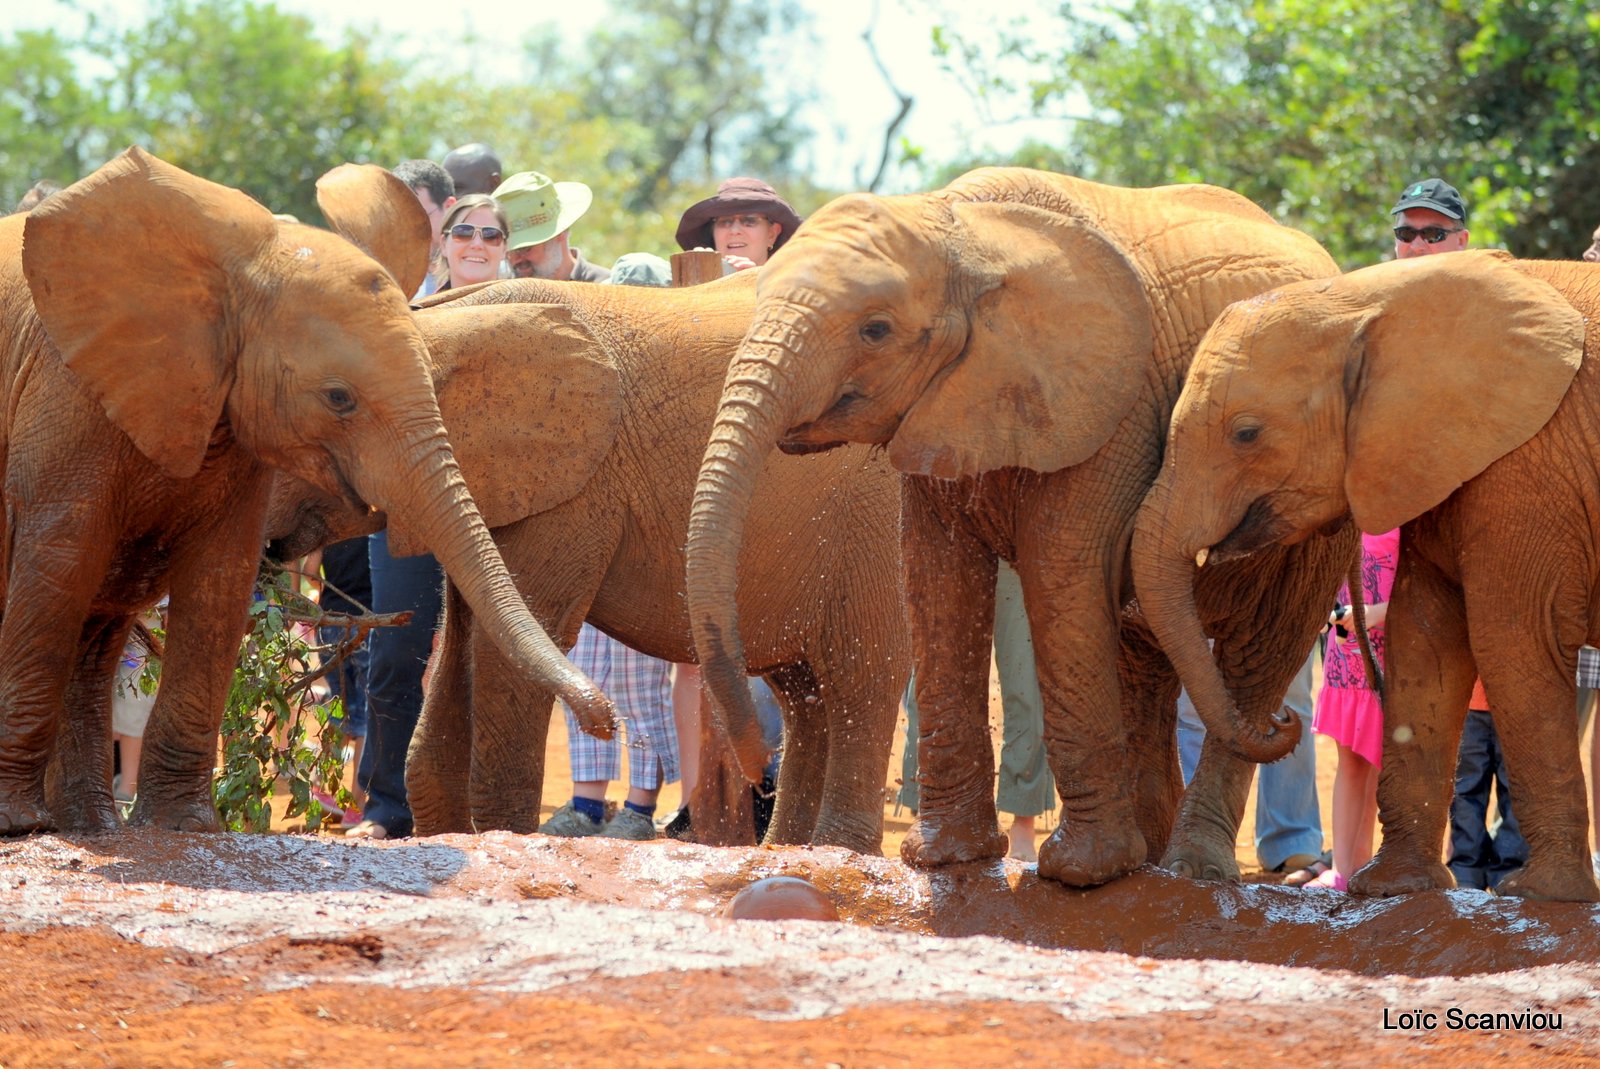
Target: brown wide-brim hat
[735,197]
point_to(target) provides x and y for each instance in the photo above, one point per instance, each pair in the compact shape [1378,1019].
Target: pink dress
[1348,711]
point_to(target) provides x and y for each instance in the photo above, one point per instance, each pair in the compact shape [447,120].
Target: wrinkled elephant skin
[1015,341]
[153,385]
[1497,545]
[579,412]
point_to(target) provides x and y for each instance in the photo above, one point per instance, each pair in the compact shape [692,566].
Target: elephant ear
[1466,358]
[1058,345]
[369,206]
[531,404]
[132,271]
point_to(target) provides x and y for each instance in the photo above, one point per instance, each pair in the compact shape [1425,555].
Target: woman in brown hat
[746,222]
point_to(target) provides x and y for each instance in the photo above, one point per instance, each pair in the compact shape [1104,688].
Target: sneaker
[629,824]
[677,826]
[568,823]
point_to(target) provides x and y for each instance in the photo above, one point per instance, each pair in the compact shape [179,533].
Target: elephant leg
[1149,693]
[1532,699]
[950,579]
[439,760]
[211,580]
[1428,685]
[510,726]
[1202,845]
[861,702]
[806,745]
[79,793]
[56,567]
[1076,637]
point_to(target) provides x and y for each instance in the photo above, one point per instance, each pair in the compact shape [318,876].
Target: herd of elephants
[1171,413]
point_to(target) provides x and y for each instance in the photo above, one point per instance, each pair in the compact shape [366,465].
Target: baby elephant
[1448,396]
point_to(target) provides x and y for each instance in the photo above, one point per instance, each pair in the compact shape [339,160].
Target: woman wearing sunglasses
[472,241]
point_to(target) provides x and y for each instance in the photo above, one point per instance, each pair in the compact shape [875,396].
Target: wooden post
[721,811]
[696,266]
[720,807]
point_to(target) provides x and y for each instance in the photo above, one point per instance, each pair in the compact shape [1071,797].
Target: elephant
[1015,341]
[578,413]
[153,392]
[1457,398]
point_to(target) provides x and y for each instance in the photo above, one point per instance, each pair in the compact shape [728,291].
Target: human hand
[739,263]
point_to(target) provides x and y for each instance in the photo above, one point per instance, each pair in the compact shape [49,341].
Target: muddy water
[530,914]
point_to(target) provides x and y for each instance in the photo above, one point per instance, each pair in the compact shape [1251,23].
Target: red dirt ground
[155,949]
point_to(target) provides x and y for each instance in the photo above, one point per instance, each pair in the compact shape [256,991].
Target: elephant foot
[174,814]
[449,823]
[1200,859]
[1552,883]
[1390,876]
[932,843]
[862,836]
[21,818]
[1079,854]
[519,823]
[93,817]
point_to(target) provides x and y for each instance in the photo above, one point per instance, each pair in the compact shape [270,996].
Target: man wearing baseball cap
[541,213]
[1430,217]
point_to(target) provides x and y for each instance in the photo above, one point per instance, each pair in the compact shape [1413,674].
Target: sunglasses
[743,222]
[492,235]
[1431,234]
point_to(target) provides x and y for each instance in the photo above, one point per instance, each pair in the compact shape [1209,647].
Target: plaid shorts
[642,690]
[1589,667]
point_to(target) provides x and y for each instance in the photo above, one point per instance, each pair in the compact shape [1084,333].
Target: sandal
[1304,868]
[1332,880]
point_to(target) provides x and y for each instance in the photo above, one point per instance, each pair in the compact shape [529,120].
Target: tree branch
[900,116]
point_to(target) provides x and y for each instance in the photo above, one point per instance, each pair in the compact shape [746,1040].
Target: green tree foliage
[1320,110]
[653,109]
[247,96]
[52,125]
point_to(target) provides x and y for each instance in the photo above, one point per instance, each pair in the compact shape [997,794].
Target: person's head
[435,191]
[640,269]
[745,218]
[1592,253]
[39,191]
[474,168]
[541,213]
[1430,217]
[473,237]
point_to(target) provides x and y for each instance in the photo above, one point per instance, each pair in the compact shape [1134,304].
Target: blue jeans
[1477,858]
[348,681]
[396,659]
[1288,817]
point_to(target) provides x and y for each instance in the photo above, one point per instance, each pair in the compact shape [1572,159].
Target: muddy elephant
[579,424]
[1458,398]
[1016,340]
[152,385]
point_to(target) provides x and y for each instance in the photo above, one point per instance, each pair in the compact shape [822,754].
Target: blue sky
[849,122]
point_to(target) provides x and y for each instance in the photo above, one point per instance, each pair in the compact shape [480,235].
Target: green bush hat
[538,209]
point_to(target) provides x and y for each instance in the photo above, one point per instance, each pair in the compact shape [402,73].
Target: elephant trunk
[760,396]
[1166,558]
[427,494]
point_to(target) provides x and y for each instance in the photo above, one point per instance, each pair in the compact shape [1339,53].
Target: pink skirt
[1353,717]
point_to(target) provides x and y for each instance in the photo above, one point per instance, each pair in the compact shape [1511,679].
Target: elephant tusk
[1200,558]
[1282,716]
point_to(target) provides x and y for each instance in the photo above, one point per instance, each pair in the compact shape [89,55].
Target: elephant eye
[874,330]
[341,400]
[1246,434]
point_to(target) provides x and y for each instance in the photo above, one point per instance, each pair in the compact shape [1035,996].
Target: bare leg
[1021,837]
[1355,811]
[686,703]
